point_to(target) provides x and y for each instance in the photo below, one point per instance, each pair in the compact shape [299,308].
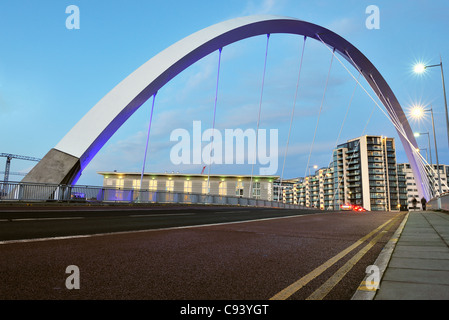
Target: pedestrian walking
[423,203]
[414,202]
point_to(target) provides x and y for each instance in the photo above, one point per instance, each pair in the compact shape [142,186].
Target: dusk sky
[51,76]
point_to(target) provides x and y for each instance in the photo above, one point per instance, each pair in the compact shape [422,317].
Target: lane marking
[145,230]
[326,287]
[297,285]
[381,262]
[243,211]
[77,218]
[368,286]
[43,219]
[160,215]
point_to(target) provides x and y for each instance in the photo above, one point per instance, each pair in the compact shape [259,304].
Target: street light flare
[419,68]
[417,112]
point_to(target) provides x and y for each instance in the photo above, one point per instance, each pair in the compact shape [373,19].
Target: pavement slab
[419,265]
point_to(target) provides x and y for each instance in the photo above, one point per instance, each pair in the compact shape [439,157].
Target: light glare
[419,68]
[417,112]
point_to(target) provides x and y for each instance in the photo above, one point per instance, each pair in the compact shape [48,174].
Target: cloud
[346,27]
[262,7]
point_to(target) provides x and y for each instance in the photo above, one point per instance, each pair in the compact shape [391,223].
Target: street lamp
[421,149]
[418,111]
[417,134]
[314,166]
[421,68]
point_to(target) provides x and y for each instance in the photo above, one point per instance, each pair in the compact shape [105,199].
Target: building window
[136,184]
[169,185]
[239,188]
[205,189]
[222,186]
[256,190]
[152,185]
[188,186]
[119,183]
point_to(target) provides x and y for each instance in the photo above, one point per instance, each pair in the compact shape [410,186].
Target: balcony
[354,184]
[377,184]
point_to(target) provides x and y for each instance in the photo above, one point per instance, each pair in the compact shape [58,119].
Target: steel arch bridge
[65,162]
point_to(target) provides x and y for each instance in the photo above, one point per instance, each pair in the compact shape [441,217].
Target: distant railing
[35,192]
[444,203]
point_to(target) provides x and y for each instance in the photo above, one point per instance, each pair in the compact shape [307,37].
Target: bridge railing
[444,203]
[35,192]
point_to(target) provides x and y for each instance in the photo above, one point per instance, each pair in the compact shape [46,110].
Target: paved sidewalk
[416,265]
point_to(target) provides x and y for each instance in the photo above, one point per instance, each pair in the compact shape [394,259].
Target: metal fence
[444,203]
[29,192]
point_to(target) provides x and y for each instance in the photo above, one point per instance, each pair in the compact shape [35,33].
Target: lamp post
[417,134]
[314,166]
[420,68]
[418,112]
[419,149]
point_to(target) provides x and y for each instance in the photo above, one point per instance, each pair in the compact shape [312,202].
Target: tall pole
[445,100]
[430,148]
[444,93]
[438,163]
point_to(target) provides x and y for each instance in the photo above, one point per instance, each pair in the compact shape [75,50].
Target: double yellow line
[322,291]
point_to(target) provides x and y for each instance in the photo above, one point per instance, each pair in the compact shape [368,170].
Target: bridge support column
[56,167]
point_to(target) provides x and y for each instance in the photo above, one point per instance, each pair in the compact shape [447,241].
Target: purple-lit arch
[65,162]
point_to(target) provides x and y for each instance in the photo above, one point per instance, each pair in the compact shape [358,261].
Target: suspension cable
[258,119]
[146,146]
[398,125]
[291,118]
[347,112]
[353,154]
[319,114]
[213,121]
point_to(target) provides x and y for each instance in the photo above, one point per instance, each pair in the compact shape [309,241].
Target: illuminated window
[153,185]
[205,188]
[136,184]
[169,185]
[239,188]
[222,188]
[256,190]
[119,183]
[187,186]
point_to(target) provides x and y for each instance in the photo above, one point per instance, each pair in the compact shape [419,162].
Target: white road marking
[146,230]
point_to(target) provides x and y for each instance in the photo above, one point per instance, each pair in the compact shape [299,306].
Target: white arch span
[65,162]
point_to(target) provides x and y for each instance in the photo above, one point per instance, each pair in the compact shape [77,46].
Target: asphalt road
[156,255]
[52,221]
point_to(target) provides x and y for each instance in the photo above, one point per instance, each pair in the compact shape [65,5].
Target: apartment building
[407,183]
[364,172]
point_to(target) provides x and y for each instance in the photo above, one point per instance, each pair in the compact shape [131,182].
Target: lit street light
[421,68]
[417,134]
[314,166]
[417,112]
[421,149]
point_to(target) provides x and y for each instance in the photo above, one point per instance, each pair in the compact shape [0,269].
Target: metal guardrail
[444,203]
[29,192]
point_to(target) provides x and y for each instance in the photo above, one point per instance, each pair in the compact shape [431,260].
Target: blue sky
[51,76]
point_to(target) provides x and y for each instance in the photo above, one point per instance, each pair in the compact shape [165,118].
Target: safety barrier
[433,203]
[35,192]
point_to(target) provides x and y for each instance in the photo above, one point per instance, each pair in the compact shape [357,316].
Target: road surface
[188,253]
